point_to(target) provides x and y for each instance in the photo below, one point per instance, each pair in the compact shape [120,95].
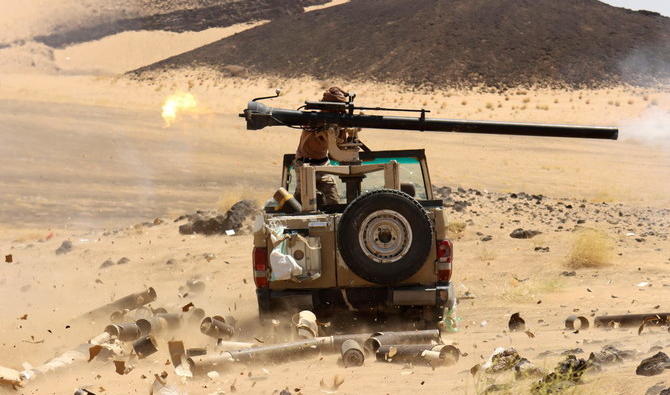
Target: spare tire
[385,236]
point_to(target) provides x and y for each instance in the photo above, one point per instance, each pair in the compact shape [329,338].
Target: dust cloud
[651,128]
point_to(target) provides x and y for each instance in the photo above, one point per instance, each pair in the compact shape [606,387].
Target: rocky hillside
[454,42]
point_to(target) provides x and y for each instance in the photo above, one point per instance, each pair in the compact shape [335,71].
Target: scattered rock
[569,274]
[653,365]
[657,389]
[442,191]
[524,234]
[655,348]
[566,374]
[213,223]
[542,249]
[9,258]
[459,206]
[186,229]
[123,261]
[502,359]
[611,355]
[107,263]
[487,238]
[573,351]
[64,248]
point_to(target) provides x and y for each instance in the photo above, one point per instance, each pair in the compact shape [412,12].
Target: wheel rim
[385,236]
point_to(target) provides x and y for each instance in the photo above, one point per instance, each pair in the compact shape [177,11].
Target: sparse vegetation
[531,290]
[455,229]
[592,248]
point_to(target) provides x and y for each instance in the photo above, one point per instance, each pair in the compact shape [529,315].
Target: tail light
[445,257]
[260,261]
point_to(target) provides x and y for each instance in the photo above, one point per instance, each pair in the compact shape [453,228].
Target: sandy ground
[111,138]
[85,157]
[85,57]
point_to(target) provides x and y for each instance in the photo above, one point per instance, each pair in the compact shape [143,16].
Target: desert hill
[61,24]
[220,14]
[455,42]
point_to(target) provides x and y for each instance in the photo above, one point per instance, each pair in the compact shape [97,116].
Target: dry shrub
[592,248]
[455,229]
[531,290]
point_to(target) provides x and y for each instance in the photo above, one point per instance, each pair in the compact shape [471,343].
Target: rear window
[410,173]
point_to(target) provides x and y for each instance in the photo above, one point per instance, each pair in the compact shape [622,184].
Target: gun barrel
[259,116]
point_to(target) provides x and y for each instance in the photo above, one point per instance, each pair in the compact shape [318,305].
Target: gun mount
[333,114]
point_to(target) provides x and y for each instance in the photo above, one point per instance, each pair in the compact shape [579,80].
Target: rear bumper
[440,295]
